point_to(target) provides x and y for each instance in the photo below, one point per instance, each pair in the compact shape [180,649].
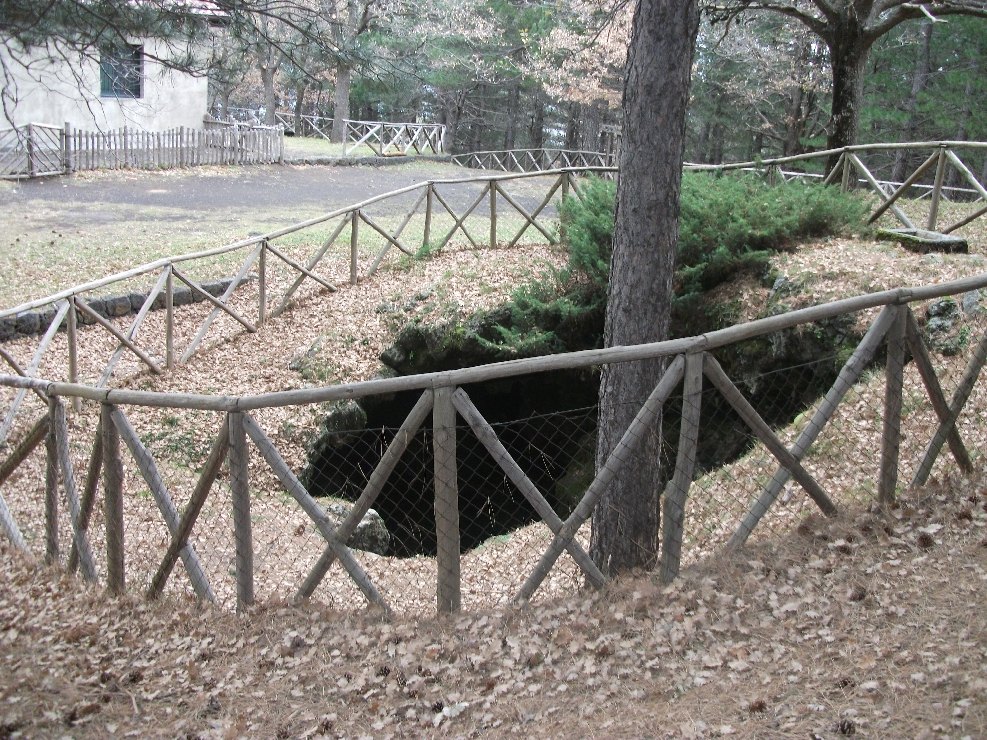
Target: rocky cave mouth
[547,422]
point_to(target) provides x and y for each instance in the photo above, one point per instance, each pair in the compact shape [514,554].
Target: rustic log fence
[33,150]
[37,149]
[387,138]
[534,160]
[875,432]
[852,170]
[274,270]
[383,138]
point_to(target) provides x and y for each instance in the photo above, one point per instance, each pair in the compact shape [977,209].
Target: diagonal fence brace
[388,460]
[297,491]
[488,438]
[620,457]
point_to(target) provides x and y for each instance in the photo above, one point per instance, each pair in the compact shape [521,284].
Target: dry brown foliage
[872,625]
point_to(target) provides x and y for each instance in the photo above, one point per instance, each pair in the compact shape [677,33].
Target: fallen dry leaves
[871,625]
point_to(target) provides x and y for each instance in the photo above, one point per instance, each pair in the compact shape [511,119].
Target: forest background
[512,74]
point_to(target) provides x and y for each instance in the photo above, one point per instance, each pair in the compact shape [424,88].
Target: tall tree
[849,28]
[656,93]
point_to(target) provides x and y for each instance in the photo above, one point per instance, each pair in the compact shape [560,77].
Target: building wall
[57,87]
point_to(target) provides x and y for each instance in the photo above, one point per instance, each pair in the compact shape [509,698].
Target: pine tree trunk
[300,89]
[572,127]
[510,130]
[848,56]
[267,73]
[536,132]
[656,92]
[341,103]
[920,75]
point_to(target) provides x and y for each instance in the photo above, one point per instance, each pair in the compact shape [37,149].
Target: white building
[105,89]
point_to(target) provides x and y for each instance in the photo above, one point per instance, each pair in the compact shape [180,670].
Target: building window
[121,71]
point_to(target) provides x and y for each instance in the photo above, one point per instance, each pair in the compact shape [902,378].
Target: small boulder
[371,533]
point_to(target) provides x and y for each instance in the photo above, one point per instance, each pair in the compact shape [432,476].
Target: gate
[31,151]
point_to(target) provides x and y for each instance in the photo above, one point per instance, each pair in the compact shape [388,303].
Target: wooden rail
[445,398]
[433,205]
[533,160]
[850,171]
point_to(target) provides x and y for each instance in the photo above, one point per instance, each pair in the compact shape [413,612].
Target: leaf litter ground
[871,625]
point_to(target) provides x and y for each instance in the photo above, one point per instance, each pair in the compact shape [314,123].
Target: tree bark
[920,76]
[513,106]
[268,70]
[536,131]
[848,50]
[341,103]
[656,92]
[300,89]
[572,127]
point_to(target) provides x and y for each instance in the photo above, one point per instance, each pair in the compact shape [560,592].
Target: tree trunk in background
[848,57]
[536,131]
[970,100]
[590,134]
[572,127]
[656,93]
[510,129]
[300,89]
[341,103]
[268,70]
[920,76]
[449,118]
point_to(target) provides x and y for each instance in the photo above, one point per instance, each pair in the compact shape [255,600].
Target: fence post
[847,168]
[51,488]
[448,596]
[170,318]
[262,284]
[673,516]
[493,214]
[429,199]
[72,331]
[112,500]
[937,189]
[67,148]
[29,148]
[239,485]
[891,438]
[354,245]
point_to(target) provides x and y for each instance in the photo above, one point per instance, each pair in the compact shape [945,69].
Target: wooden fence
[928,181]
[388,139]
[384,138]
[34,150]
[534,160]
[496,209]
[690,362]
[46,150]
[432,215]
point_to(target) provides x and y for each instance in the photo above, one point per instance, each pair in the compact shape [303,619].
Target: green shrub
[727,224]
[587,229]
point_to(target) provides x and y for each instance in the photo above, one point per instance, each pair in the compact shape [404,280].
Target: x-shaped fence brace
[895,326]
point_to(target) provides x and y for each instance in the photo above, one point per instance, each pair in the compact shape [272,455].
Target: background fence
[129,475]
[865,166]
[37,149]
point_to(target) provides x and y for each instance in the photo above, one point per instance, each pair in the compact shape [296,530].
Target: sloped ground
[838,629]
[872,625]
